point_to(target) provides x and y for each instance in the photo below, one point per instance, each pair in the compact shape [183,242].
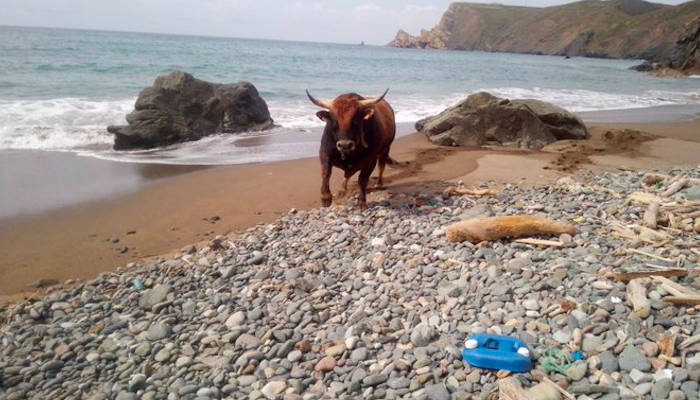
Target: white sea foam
[74,124]
[577,100]
[59,124]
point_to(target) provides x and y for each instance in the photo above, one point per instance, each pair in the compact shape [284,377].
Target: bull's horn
[320,103]
[371,102]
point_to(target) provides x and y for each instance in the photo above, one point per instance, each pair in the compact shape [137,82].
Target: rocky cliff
[614,29]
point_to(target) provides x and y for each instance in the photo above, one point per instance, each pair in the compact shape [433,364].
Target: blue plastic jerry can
[497,352]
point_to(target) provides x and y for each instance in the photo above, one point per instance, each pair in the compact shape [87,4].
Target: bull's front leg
[363,180]
[326,196]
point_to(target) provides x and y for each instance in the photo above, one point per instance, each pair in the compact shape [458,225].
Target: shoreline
[164,215]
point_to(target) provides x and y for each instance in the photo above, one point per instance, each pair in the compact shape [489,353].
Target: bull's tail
[394,164]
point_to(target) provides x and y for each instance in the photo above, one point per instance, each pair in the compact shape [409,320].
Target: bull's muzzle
[345,146]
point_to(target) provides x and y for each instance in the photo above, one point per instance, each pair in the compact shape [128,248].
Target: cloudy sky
[342,21]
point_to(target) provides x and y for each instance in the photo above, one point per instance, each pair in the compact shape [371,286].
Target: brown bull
[357,136]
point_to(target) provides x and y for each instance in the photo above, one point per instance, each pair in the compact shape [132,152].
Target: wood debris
[628,276]
[679,293]
[460,191]
[487,229]
[637,295]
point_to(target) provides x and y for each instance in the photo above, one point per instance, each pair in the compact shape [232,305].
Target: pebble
[661,389]
[577,370]
[273,388]
[325,364]
[158,331]
[631,358]
[337,303]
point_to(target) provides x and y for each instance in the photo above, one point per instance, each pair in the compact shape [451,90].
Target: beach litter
[376,300]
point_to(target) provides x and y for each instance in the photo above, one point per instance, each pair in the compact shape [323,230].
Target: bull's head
[345,119]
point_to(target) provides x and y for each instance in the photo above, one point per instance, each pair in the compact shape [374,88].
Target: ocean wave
[59,124]
[76,124]
[577,100]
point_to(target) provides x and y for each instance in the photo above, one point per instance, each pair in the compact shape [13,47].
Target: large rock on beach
[483,119]
[179,108]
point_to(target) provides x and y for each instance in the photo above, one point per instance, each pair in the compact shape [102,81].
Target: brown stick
[650,215]
[628,276]
[684,300]
[650,255]
[540,242]
[637,295]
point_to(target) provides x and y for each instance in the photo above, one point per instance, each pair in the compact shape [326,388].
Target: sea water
[60,88]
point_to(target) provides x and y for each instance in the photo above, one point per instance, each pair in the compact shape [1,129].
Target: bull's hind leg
[382,163]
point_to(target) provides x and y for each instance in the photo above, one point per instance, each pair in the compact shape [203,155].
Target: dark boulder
[483,119]
[179,108]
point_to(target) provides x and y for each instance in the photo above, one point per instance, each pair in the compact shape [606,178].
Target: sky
[339,21]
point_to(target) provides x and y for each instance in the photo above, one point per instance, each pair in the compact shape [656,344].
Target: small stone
[359,354]
[153,296]
[325,364]
[162,355]
[661,389]
[631,358]
[235,320]
[691,389]
[374,380]
[137,382]
[676,395]
[294,356]
[351,342]
[474,376]
[638,376]
[437,392]
[398,383]
[650,349]
[608,361]
[643,388]
[158,331]
[577,370]
[143,349]
[562,336]
[422,335]
[126,396]
[335,350]
[531,304]
[53,365]
[273,388]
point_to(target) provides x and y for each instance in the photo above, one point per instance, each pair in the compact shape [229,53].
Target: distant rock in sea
[485,119]
[180,108]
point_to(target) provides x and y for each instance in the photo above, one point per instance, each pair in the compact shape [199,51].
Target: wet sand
[187,206]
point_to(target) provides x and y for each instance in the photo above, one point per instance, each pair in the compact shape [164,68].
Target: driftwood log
[637,295]
[650,215]
[486,229]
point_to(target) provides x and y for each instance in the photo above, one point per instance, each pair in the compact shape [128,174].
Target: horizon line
[196,35]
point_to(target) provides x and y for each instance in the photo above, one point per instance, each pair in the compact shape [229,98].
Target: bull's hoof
[380,185]
[326,202]
[362,205]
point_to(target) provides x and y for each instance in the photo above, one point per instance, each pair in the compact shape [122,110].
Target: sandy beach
[172,206]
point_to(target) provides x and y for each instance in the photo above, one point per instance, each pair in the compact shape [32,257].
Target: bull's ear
[369,113]
[324,116]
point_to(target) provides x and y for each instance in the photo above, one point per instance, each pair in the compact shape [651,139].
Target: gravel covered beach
[338,303]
